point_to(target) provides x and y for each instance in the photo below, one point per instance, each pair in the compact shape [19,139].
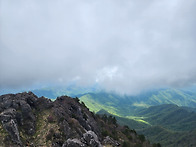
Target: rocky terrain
[27,120]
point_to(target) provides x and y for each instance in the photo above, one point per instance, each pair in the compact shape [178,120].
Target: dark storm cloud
[126,46]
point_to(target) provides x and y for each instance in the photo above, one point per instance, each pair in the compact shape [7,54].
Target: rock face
[16,110]
[8,119]
[89,139]
[27,120]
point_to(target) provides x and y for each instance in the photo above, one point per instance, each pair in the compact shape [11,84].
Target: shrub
[49,136]
[50,119]
[105,133]
[61,119]
[73,115]
[126,144]
[129,137]
[51,131]
[142,138]
[157,145]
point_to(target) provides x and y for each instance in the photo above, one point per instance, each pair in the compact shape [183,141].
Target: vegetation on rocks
[27,120]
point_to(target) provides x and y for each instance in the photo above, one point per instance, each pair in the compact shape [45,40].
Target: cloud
[126,46]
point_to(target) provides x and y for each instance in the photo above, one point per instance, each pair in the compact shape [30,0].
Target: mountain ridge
[27,120]
[169,124]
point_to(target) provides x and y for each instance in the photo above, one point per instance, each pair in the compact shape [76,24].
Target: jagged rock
[16,110]
[109,140]
[41,122]
[89,139]
[73,143]
[27,115]
[7,118]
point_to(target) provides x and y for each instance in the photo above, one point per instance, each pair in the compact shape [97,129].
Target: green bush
[105,133]
[126,144]
[142,138]
[50,119]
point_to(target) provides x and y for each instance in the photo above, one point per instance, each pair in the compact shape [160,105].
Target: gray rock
[91,139]
[73,143]
[8,120]
[109,140]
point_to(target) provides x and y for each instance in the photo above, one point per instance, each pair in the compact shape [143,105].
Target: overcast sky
[122,45]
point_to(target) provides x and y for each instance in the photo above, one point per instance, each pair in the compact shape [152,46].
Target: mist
[125,46]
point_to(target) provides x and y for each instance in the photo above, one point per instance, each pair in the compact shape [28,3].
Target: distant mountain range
[72,91]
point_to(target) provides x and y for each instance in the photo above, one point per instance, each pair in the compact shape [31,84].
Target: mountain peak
[31,121]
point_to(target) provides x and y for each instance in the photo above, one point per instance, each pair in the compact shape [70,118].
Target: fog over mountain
[125,46]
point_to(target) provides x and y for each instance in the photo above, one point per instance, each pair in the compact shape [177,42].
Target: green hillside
[167,124]
[72,90]
[170,116]
[132,123]
[169,138]
[128,105]
[112,103]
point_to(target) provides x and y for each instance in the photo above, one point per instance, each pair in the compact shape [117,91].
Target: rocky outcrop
[27,120]
[16,110]
[110,141]
[89,139]
[8,119]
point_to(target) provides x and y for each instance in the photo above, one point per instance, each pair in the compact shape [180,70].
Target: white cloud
[124,45]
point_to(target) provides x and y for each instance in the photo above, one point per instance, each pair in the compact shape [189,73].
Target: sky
[125,46]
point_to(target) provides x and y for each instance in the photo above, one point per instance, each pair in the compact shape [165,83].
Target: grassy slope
[166,128]
[170,116]
[131,123]
[176,122]
[126,105]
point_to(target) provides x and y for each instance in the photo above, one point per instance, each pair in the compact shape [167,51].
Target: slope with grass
[167,124]
[169,138]
[170,116]
[123,105]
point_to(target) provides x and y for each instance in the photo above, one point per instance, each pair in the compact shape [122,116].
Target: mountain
[122,105]
[27,120]
[170,116]
[168,124]
[71,90]
[169,138]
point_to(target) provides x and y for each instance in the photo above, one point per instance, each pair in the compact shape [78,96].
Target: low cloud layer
[126,46]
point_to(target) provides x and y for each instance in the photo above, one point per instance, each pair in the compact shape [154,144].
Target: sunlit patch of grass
[138,119]
[96,106]
[141,105]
